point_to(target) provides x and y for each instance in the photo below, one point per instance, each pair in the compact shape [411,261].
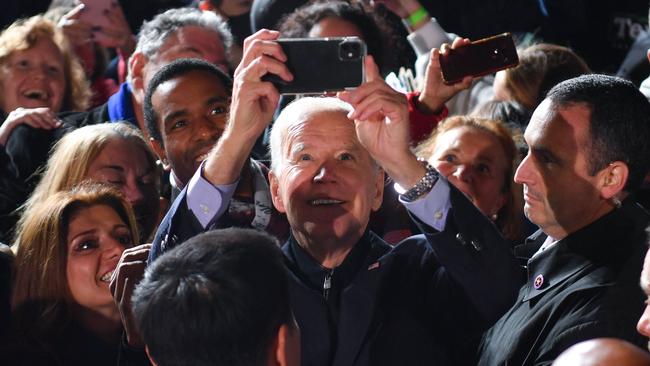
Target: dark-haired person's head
[325,18]
[174,34]
[221,298]
[185,109]
[588,150]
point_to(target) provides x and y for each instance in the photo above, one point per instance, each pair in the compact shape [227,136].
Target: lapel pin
[539,282]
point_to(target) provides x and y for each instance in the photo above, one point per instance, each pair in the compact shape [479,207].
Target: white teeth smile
[324,202]
[107,277]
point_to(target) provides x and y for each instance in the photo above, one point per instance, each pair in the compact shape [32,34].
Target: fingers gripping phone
[482,57]
[321,65]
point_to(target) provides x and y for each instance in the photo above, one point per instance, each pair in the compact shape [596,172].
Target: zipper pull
[327,284]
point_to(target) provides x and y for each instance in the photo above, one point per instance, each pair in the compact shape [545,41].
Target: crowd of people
[161,203]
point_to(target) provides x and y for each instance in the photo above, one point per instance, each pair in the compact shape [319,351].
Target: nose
[38,72]
[464,173]
[524,171]
[208,130]
[643,326]
[132,192]
[112,249]
[325,173]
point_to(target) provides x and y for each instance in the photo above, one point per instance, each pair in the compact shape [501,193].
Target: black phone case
[485,56]
[321,65]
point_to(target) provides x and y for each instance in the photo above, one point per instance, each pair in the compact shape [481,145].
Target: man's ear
[275,192]
[613,179]
[137,63]
[160,151]
[146,349]
[380,182]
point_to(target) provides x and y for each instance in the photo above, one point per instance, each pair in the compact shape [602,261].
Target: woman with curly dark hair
[343,18]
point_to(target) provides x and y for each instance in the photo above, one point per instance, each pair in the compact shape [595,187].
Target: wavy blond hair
[509,217]
[72,156]
[23,34]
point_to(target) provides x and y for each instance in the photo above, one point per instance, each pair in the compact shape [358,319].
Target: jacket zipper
[327,284]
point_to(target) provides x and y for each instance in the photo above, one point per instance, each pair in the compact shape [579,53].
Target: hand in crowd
[254,101]
[127,275]
[118,35]
[382,123]
[253,104]
[36,117]
[435,93]
[77,30]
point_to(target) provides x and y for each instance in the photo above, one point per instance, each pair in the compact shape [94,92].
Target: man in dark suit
[356,300]
[588,150]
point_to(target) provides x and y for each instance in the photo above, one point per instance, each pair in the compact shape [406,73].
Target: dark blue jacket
[424,302]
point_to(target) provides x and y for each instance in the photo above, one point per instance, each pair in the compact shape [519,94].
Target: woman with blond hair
[62,310]
[479,157]
[113,153]
[39,75]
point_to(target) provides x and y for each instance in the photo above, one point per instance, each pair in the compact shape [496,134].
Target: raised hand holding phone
[435,92]
[478,58]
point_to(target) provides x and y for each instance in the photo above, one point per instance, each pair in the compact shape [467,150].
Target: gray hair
[297,110]
[155,32]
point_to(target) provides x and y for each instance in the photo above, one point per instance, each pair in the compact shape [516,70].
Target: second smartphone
[482,57]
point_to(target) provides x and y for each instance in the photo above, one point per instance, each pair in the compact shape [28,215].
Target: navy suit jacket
[425,301]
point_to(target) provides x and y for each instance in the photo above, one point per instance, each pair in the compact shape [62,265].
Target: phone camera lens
[349,50]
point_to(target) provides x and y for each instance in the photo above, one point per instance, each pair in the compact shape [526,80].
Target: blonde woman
[114,153]
[39,76]
[478,156]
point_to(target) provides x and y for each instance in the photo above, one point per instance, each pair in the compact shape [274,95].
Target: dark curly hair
[379,37]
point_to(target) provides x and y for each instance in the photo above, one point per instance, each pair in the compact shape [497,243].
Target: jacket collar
[608,241]
[362,272]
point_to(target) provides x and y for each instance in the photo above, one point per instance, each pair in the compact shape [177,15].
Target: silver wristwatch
[422,187]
